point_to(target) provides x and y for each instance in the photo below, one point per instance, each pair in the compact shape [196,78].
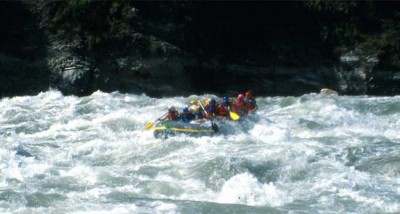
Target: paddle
[150,124]
[226,105]
[234,116]
[213,125]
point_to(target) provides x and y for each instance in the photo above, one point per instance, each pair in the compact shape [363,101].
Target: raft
[167,128]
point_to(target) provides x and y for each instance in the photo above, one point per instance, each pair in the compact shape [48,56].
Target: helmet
[185,109]
[207,101]
[240,97]
[171,109]
[213,102]
[248,94]
[225,99]
[192,102]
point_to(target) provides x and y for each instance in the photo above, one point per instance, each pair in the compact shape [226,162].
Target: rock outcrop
[179,54]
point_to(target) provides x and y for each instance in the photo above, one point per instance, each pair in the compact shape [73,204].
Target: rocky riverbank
[183,53]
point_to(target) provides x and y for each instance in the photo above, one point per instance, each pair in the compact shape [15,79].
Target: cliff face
[181,48]
[23,65]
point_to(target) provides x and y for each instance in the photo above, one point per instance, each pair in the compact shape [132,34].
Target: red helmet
[240,97]
[248,94]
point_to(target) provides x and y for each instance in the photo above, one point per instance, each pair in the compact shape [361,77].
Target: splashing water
[64,154]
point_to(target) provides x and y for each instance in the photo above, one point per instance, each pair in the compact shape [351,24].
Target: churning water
[308,154]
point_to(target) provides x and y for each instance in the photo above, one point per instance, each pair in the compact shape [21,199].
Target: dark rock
[22,52]
[176,49]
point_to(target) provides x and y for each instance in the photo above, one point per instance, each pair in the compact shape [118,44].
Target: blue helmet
[225,99]
[185,109]
[213,102]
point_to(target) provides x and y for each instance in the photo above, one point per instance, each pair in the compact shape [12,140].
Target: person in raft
[225,107]
[240,107]
[172,114]
[186,116]
[250,102]
[212,109]
[195,109]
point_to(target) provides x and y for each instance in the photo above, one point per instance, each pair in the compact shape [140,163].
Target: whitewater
[305,154]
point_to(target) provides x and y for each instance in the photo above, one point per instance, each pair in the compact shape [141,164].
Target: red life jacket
[172,116]
[251,103]
[241,108]
[223,111]
[211,110]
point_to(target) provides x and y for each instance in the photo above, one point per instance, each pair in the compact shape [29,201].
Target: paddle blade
[149,125]
[214,127]
[234,116]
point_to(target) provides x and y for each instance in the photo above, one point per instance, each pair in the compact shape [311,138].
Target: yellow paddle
[150,124]
[234,116]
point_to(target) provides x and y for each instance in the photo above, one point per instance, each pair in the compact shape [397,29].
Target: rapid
[306,154]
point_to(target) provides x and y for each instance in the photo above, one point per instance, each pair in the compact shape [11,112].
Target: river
[306,154]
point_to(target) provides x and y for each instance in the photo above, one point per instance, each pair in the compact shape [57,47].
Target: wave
[310,153]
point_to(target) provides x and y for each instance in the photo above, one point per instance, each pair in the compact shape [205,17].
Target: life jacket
[212,110]
[223,110]
[250,103]
[173,116]
[227,104]
[241,108]
[195,109]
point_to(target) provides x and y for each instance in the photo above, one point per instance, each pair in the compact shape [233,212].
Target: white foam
[301,142]
[245,189]
[82,173]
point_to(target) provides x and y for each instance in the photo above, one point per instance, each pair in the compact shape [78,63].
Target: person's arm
[254,104]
